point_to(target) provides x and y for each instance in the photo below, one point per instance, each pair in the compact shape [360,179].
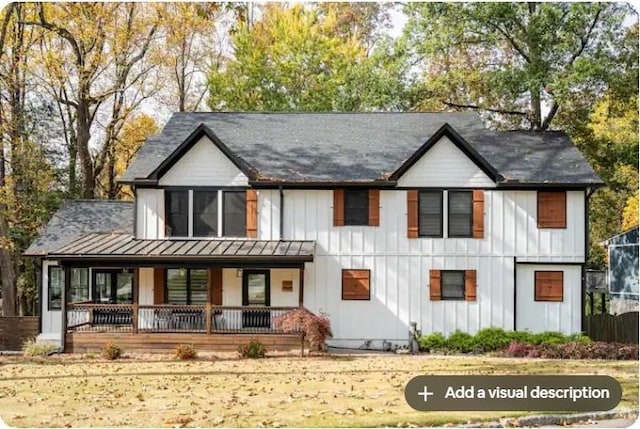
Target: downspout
[281,212]
[588,193]
[135,211]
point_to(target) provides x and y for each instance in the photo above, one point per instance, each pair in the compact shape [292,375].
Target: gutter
[281,229]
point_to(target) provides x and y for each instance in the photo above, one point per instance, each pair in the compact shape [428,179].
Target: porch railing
[173,318]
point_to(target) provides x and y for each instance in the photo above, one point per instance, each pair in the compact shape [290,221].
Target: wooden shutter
[434,285]
[552,209]
[215,286]
[338,207]
[158,286]
[252,213]
[355,284]
[374,207]
[549,286]
[470,285]
[478,213]
[412,213]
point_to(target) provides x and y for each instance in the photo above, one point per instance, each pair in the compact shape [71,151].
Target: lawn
[344,391]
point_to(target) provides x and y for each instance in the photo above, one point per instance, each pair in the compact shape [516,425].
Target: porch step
[92,342]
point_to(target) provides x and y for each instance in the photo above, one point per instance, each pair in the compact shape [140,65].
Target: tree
[511,59]
[300,59]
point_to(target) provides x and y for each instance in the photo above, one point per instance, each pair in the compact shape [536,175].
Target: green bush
[461,342]
[185,352]
[33,348]
[491,339]
[112,351]
[548,338]
[254,350]
[432,342]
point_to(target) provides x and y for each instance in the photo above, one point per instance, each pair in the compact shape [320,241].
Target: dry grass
[342,391]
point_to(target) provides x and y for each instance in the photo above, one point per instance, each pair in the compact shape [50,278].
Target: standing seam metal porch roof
[118,246]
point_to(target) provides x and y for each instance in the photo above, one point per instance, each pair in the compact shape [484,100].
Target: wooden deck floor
[91,342]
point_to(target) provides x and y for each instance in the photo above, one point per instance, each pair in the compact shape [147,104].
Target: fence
[606,327]
[16,330]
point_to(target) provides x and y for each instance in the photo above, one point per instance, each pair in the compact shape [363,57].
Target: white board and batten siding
[51,320]
[400,266]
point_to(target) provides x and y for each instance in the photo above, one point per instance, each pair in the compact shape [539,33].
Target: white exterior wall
[149,213]
[447,166]
[400,266]
[268,214]
[204,165]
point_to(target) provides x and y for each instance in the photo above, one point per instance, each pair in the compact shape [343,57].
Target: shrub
[112,351]
[33,348]
[573,350]
[461,342]
[491,339]
[548,338]
[316,328]
[185,352]
[431,342]
[518,350]
[254,350]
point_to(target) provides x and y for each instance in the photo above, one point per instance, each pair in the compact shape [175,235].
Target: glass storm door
[256,293]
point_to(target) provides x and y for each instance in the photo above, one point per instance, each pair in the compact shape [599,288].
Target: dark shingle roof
[124,246]
[351,147]
[77,218]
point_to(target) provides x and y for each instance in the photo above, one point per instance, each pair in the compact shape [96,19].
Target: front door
[256,292]
[113,286]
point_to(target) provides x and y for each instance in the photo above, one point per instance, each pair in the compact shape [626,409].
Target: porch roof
[101,246]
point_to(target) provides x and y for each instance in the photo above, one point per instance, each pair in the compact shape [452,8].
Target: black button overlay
[513,393]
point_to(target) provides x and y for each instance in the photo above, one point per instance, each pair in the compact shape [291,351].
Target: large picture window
[186,286]
[177,213]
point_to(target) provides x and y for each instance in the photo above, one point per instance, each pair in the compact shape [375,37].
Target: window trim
[536,296]
[449,192]
[464,285]
[342,273]
[188,285]
[441,193]
[62,287]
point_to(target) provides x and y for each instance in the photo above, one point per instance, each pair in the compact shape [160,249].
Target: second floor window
[356,207]
[205,213]
[460,213]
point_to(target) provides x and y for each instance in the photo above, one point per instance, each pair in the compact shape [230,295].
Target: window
[186,286]
[205,213]
[552,209]
[355,285]
[452,285]
[460,213]
[56,283]
[549,286]
[356,207]
[235,214]
[79,287]
[177,213]
[430,214]
[112,286]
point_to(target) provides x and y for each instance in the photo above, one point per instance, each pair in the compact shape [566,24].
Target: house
[622,272]
[376,219]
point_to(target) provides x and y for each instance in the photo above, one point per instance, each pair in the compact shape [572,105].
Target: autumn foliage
[316,328]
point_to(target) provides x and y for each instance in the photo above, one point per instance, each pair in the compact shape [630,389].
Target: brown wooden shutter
[412,213]
[158,286]
[549,286]
[355,284]
[552,209]
[434,285]
[478,213]
[470,285]
[338,207]
[252,213]
[215,285]
[374,207]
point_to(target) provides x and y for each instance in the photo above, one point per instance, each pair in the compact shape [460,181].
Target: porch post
[136,300]
[65,295]
[207,306]
[301,288]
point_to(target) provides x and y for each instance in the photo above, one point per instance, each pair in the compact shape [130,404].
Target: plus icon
[425,393]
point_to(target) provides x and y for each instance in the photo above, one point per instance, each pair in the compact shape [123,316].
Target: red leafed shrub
[573,350]
[316,328]
[518,350]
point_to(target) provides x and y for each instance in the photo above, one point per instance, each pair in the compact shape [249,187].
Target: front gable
[445,160]
[202,160]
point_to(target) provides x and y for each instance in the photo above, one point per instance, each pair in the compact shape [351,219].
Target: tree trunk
[82,144]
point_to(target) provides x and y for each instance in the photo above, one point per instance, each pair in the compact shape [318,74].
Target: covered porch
[153,294]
